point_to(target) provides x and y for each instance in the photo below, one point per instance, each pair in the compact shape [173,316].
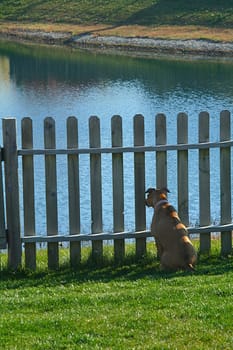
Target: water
[40,81]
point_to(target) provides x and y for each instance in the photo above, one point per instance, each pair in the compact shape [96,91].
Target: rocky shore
[132,45]
[151,45]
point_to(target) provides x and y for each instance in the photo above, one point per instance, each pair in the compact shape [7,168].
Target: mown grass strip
[107,306]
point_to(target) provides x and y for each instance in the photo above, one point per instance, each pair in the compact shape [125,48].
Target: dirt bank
[132,45]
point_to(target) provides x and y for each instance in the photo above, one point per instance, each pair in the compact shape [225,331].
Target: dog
[175,250]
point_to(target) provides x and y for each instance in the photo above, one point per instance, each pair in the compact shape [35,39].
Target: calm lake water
[40,81]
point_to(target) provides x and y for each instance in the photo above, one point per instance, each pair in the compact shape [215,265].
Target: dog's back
[176,249]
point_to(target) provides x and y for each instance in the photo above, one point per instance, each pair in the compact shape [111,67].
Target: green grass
[131,306]
[147,12]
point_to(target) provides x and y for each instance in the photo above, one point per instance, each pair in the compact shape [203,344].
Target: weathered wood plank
[158,148]
[204,182]
[51,192]
[96,187]
[139,183]
[3,243]
[119,235]
[28,193]
[12,193]
[74,190]
[183,192]
[225,182]
[118,187]
[161,156]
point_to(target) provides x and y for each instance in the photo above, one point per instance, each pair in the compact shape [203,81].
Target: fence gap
[118,188]
[28,193]
[139,184]
[182,171]
[12,193]
[204,182]
[225,182]
[73,190]
[96,187]
[51,192]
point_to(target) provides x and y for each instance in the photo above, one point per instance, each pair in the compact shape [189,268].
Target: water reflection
[38,81]
[50,66]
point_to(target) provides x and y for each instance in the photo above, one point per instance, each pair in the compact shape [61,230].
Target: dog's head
[154,195]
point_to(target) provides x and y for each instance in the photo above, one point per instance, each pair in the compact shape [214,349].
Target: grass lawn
[131,306]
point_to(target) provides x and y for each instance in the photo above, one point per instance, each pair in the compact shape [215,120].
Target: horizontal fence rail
[118,235]
[9,190]
[136,149]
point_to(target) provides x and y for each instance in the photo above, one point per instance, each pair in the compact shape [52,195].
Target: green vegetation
[132,306]
[147,12]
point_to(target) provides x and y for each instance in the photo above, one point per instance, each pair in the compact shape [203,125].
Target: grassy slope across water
[167,19]
[147,12]
[132,306]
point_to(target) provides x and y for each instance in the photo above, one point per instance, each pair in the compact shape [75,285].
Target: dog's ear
[164,190]
[150,190]
[163,193]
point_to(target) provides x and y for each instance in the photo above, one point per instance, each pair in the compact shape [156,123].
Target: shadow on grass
[208,12]
[107,271]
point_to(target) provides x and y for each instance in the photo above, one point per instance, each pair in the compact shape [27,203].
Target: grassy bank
[132,306]
[161,32]
[147,12]
[165,19]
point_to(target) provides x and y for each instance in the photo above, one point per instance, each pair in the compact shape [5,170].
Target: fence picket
[12,193]
[74,190]
[161,156]
[225,182]
[139,176]
[118,187]
[28,193]
[96,187]
[204,181]
[51,192]
[3,239]
[182,171]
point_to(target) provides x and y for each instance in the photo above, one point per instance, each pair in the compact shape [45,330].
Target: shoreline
[142,46]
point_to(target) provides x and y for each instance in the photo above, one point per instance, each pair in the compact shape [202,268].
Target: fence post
[139,175]
[28,193]
[182,138]
[204,182]
[225,181]
[118,187]
[51,192]
[74,190]
[3,244]
[161,156]
[12,193]
[96,187]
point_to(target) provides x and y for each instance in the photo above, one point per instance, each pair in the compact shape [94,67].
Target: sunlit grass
[132,305]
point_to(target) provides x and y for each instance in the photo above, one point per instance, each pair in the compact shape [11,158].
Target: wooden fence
[10,229]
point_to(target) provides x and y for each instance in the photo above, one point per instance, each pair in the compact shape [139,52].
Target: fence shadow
[209,265]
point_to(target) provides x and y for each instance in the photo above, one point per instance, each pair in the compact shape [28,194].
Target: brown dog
[175,249]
